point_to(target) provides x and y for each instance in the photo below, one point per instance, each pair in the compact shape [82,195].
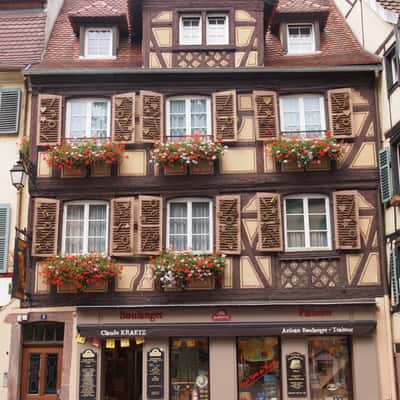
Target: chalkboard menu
[155,374]
[88,375]
[296,375]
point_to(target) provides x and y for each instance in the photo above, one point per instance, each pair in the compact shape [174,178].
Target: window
[88,118]
[190,225]
[98,43]
[303,115]
[392,68]
[189,368]
[187,116]
[300,38]
[85,227]
[259,368]
[307,224]
[330,368]
[190,30]
[9,110]
[217,29]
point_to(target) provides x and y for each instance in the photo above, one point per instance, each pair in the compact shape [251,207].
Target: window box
[203,167]
[178,169]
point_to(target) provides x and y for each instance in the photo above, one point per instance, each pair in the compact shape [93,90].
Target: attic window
[300,39]
[98,43]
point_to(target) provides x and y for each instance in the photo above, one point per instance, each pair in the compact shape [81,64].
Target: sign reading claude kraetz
[88,375]
[155,374]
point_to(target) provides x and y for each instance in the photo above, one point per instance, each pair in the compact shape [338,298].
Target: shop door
[41,373]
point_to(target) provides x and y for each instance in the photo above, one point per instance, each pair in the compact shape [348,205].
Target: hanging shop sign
[296,375]
[88,375]
[155,374]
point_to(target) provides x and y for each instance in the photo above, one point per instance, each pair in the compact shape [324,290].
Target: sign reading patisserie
[135,315]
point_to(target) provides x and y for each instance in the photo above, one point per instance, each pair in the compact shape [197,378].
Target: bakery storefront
[253,352]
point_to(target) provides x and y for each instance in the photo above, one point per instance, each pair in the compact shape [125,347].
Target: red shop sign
[221,315]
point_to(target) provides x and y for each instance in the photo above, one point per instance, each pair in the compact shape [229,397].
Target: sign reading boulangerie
[88,375]
[155,374]
[296,375]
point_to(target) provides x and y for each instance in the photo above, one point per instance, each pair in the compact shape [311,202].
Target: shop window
[189,368]
[85,228]
[330,368]
[98,43]
[301,38]
[190,225]
[303,116]
[307,222]
[259,368]
[88,118]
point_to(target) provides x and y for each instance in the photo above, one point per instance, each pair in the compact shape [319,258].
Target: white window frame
[293,52]
[188,114]
[86,205]
[182,40]
[109,55]
[89,102]
[226,30]
[189,201]
[394,69]
[308,247]
[303,130]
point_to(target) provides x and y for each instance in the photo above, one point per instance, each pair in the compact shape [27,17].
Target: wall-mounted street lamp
[17,173]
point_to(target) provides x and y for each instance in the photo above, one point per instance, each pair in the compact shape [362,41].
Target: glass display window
[259,376]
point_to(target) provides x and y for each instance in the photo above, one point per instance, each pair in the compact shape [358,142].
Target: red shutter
[228,224]
[123,118]
[49,120]
[225,116]
[151,116]
[341,112]
[266,114]
[45,227]
[150,224]
[269,218]
[122,225]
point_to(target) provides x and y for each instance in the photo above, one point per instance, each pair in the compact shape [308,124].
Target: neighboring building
[300,310]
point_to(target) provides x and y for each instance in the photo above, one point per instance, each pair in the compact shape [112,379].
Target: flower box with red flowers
[80,154]
[79,272]
[179,269]
[305,151]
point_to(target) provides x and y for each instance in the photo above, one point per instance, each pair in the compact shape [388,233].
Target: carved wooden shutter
[228,224]
[150,224]
[225,116]
[266,114]
[45,227]
[122,220]
[123,117]
[347,228]
[269,218]
[49,120]
[151,115]
[341,112]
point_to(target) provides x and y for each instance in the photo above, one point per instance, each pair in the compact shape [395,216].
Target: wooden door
[41,373]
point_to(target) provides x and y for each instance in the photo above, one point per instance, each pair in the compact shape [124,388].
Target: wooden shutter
[228,224]
[151,114]
[347,227]
[10,100]
[4,235]
[49,120]
[265,114]
[341,112]
[122,224]
[269,219]
[385,175]
[45,227]
[225,116]
[150,224]
[123,118]
[394,277]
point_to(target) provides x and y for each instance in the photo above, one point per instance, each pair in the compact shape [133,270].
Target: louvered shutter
[151,115]
[265,114]
[394,277]
[123,118]
[341,112]
[347,227]
[49,120]
[269,219]
[45,227]
[150,224]
[225,116]
[122,224]
[385,174]
[4,235]
[10,100]
[227,229]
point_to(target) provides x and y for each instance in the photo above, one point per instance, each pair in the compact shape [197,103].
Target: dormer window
[190,30]
[98,43]
[300,39]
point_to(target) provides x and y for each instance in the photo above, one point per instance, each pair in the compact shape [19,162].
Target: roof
[22,37]
[300,6]
[392,5]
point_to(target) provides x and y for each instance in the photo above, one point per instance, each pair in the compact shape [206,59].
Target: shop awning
[314,328]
